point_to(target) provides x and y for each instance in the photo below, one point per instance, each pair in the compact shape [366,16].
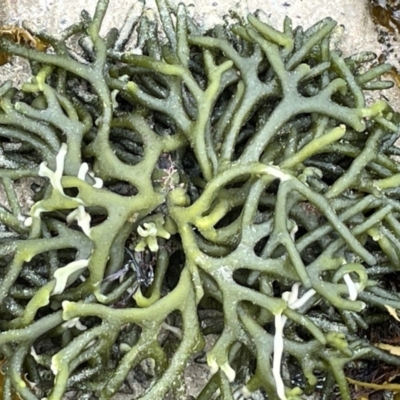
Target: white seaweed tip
[83,170]
[74,323]
[28,222]
[275,171]
[34,354]
[149,232]
[212,364]
[302,300]
[277,358]
[351,287]
[293,303]
[82,218]
[65,304]
[98,182]
[68,274]
[55,176]
[54,365]
[229,371]
[79,214]
[149,229]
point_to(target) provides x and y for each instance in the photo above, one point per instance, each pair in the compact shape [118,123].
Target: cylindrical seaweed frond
[236,173]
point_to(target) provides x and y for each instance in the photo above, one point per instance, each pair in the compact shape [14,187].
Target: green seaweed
[245,171]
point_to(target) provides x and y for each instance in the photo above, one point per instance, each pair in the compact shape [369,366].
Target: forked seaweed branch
[233,184]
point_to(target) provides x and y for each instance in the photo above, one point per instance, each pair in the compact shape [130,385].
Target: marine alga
[232,182]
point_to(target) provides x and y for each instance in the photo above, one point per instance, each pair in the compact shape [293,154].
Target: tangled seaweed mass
[232,183]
